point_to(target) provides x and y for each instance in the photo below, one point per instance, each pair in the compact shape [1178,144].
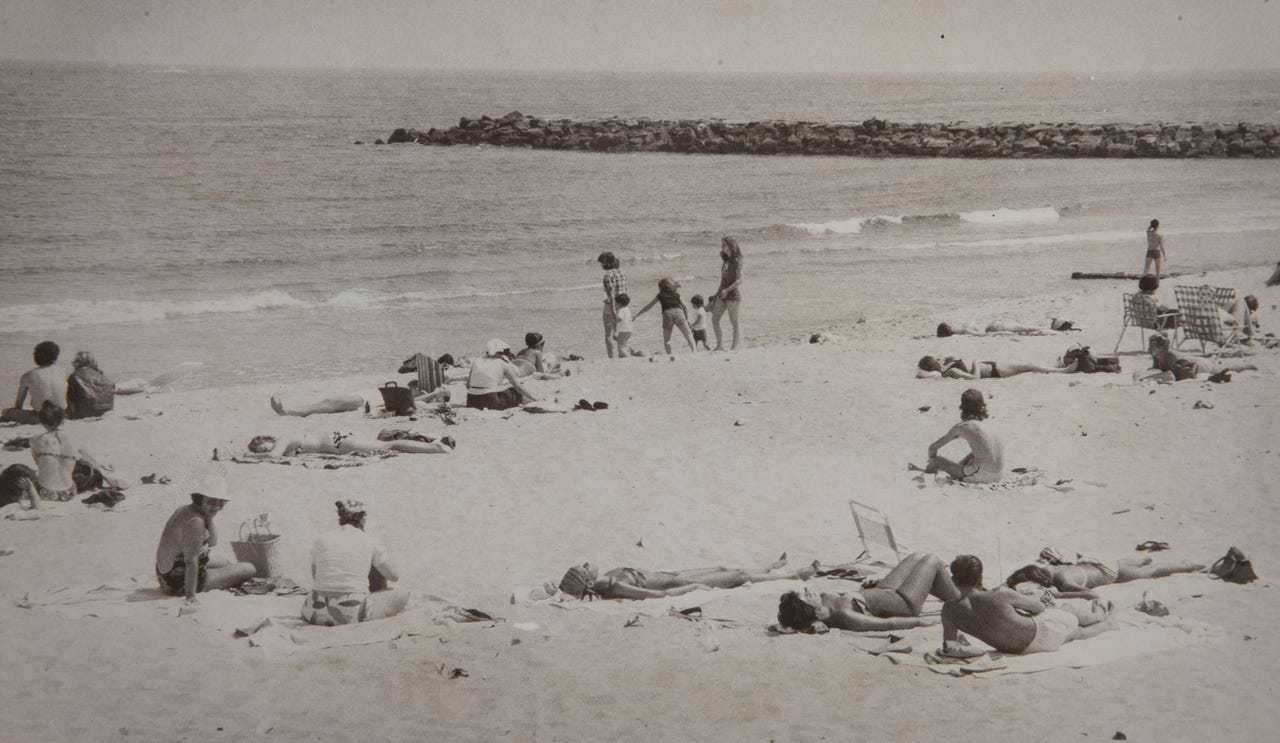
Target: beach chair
[873,527]
[1145,315]
[1199,307]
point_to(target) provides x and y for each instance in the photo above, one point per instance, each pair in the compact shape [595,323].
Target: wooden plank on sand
[1117,275]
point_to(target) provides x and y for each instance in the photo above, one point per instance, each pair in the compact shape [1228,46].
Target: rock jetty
[870,138]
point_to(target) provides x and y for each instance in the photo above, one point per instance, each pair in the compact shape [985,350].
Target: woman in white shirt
[349,572]
[494,382]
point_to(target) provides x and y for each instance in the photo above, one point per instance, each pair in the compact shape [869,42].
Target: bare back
[990,616]
[988,452]
[46,383]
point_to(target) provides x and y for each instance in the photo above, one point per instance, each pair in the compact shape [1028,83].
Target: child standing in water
[674,313]
[624,325]
[699,324]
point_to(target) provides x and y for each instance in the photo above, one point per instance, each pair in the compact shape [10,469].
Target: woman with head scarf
[494,382]
[350,571]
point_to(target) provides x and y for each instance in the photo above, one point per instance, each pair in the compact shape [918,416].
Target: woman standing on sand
[728,296]
[1155,250]
[615,283]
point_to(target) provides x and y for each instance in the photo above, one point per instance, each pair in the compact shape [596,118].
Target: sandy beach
[713,458]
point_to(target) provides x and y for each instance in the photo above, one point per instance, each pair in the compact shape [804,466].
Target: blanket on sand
[269,622]
[317,461]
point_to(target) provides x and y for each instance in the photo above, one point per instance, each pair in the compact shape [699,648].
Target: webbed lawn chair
[1145,314]
[1199,307]
[873,528]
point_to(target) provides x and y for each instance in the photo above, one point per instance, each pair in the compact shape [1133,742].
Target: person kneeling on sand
[892,603]
[349,572]
[948,329]
[337,442]
[1006,620]
[45,383]
[1075,580]
[582,581]
[494,382]
[953,368]
[985,461]
[183,564]
[1168,366]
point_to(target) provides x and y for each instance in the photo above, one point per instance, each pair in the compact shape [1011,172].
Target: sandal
[1152,546]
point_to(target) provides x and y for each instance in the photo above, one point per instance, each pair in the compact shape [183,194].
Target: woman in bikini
[953,368]
[1167,365]
[1076,580]
[345,443]
[583,581]
[1155,250]
[56,454]
[894,602]
[534,360]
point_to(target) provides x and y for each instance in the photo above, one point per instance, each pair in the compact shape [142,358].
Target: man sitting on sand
[183,564]
[948,329]
[45,383]
[952,368]
[349,572]
[1074,580]
[985,461]
[1006,620]
[894,602]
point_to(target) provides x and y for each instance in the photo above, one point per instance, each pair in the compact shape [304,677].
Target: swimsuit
[973,472]
[174,582]
[1053,629]
[330,609]
[993,372]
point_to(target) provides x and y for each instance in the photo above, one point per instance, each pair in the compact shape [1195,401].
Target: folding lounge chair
[1145,315]
[873,527]
[1199,307]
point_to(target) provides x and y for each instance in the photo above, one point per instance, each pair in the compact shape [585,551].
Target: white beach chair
[1145,315]
[873,528]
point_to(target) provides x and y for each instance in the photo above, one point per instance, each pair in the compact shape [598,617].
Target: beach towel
[317,461]
[430,372]
[1028,477]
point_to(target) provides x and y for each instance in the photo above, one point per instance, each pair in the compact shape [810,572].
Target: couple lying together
[1038,610]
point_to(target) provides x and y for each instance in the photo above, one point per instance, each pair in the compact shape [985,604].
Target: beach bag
[259,546]
[1086,364]
[396,399]
[1107,364]
[89,393]
[1184,369]
[1234,567]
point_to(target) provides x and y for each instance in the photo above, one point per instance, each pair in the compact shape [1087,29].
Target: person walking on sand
[674,313]
[615,283]
[728,297]
[1155,250]
[985,461]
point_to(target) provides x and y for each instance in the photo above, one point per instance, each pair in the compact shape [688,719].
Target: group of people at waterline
[351,570]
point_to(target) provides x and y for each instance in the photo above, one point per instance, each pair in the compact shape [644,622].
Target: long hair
[729,245]
[1155,224]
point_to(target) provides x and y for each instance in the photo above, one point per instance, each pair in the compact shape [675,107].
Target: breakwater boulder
[870,138]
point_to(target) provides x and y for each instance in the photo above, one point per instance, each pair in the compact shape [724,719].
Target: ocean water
[161,215]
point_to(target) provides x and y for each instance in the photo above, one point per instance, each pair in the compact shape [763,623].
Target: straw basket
[257,545]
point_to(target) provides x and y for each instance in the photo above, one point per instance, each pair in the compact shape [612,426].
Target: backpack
[89,393]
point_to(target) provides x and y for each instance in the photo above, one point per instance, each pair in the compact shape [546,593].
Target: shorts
[1153,253]
[674,318]
[174,582]
[501,400]
[327,609]
[1053,629]
[974,473]
[699,335]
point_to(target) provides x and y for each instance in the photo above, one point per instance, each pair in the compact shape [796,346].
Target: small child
[624,327]
[699,324]
[674,313]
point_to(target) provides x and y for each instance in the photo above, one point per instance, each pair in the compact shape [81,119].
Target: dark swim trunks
[508,398]
[699,335]
[174,582]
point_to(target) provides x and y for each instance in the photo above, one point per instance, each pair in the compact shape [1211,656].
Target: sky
[907,36]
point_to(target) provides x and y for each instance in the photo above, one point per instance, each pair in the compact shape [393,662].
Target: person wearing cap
[985,461]
[615,283]
[534,360]
[349,573]
[183,564]
[494,382]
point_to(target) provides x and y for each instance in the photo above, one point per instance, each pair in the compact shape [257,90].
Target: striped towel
[430,373]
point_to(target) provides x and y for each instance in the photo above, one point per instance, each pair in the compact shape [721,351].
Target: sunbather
[534,361]
[344,443]
[1006,620]
[894,602]
[1076,580]
[583,580]
[985,461]
[45,383]
[1168,365]
[56,453]
[953,368]
[1035,581]
[18,481]
[947,329]
[183,564]
[494,382]
[350,571]
[346,403]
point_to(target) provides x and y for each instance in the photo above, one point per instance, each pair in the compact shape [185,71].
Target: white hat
[495,347]
[213,485]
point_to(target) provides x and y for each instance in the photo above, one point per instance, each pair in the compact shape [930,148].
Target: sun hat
[213,485]
[495,347]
